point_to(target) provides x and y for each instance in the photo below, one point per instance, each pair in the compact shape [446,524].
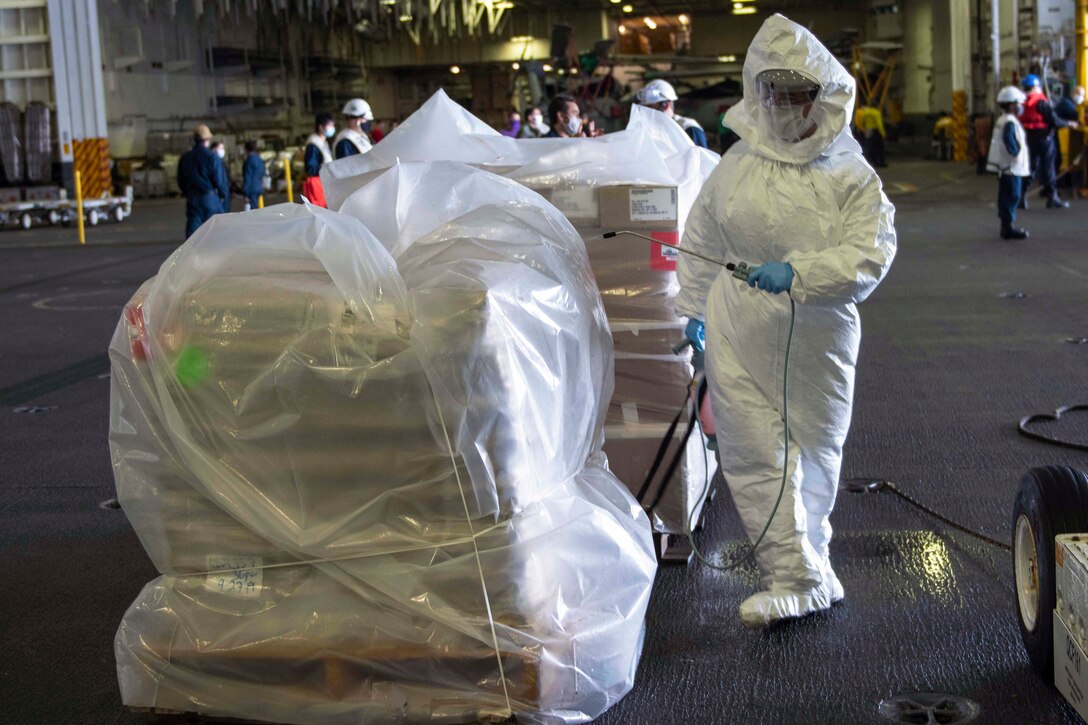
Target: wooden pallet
[164,716]
[344,665]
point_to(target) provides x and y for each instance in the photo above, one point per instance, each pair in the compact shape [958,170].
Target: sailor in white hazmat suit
[796,200]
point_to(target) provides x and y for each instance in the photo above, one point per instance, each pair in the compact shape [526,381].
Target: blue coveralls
[1044,151]
[697,136]
[312,160]
[203,181]
[253,178]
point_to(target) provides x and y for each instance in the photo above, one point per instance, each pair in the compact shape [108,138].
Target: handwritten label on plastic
[662,258]
[578,202]
[653,205]
[240,576]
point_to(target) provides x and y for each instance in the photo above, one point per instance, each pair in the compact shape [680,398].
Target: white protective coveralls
[816,204]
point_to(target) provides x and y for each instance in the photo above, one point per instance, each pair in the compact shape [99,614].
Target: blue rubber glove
[773,277]
[696,332]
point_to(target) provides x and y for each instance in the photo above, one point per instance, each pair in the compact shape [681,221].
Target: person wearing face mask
[796,200]
[353,139]
[661,96]
[534,126]
[220,149]
[202,180]
[513,125]
[565,118]
[317,152]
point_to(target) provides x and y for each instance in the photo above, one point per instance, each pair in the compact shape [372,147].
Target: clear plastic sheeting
[652,151]
[645,178]
[368,466]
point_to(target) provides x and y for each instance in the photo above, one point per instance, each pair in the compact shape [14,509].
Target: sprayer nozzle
[730,266]
[609,235]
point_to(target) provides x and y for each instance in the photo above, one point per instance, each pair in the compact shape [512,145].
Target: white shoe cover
[833,585]
[766,608]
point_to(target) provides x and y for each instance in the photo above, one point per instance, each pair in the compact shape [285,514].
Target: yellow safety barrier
[92,158]
[959,129]
[287,176]
[79,207]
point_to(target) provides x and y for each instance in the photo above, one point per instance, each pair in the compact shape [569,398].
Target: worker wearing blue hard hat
[1039,121]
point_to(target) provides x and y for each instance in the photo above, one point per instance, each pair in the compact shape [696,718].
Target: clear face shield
[787,98]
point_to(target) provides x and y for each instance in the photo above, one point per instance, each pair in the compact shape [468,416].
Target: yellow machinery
[874,93]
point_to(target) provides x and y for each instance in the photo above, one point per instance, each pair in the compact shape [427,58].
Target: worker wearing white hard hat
[796,200]
[353,138]
[661,95]
[1009,158]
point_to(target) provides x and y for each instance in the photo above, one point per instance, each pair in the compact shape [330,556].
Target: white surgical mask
[1078,99]
[330,131]
[221,152]
[537,122]
[574,125]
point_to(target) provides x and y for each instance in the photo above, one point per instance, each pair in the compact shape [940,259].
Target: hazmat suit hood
[782,44]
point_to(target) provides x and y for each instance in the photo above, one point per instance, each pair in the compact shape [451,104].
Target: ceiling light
[516,66]
[622,29]
[521,39]
[684,20]
[547,68]
[405,18]
[455,69]
[650,23]
[742,10]
[389,2]
[628,8]
[727,58]
[615,2]
[562,72]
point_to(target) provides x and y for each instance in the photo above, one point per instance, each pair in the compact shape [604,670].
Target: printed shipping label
[238,575]
[653,205]
[579,202]
[1070,667]
[663,259]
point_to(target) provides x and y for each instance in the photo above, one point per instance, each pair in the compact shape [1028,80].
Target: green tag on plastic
[192,366]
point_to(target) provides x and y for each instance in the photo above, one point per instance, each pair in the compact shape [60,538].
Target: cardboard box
[631,450]
[1070,667]
[1071,583]
[638,285]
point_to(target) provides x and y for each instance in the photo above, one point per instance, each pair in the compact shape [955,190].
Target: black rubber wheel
[1052,500]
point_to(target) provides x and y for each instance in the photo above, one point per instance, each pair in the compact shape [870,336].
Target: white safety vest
[999,159]
[686,123]
[322,144]
[358,140]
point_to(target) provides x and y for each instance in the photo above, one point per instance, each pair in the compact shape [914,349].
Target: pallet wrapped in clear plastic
[368,465]
[644,178]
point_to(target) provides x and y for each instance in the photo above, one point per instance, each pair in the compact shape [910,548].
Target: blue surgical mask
[330,131]
[574,125]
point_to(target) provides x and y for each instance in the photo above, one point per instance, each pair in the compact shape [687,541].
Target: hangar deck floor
[950,361]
